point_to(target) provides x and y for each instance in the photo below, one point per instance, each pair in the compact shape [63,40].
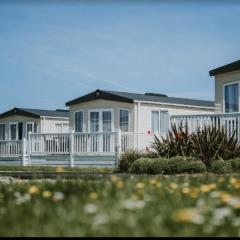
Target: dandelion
[173,185]
[207,187]
[93,195]
[33,190]
[140,185]
[119,184]
[233,180]
[58,196]
[46,194]
[90,208]
[114,178]
[225,197]
[59,169]
[185,190]
[188,215]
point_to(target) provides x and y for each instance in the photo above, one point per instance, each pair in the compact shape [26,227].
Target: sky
[54,51]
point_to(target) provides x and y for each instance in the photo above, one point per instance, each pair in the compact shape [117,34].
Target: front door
[100,121]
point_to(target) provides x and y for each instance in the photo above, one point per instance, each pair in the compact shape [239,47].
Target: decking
[99,149]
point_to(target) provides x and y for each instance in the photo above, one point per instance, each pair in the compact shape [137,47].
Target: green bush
[221,167]
[127,159]
[235,163]
[161,165]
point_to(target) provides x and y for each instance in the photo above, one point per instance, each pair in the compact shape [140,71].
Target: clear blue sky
[53,52]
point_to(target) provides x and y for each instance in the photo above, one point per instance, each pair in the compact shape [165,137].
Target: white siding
[145,113]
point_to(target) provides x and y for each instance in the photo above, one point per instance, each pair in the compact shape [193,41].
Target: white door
[100,121]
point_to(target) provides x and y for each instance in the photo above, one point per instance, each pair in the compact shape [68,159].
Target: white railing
[90,143]
[49,144]
[137,141]
[229,122]
[10,148]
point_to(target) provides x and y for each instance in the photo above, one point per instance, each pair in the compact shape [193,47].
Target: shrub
[161,165]
[221,167]
[235,163]
[177,142]
[127,159]
[208,144]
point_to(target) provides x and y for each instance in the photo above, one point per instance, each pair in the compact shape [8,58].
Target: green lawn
[186,205]
[58,169]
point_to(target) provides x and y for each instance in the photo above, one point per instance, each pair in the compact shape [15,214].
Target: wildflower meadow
[122,205]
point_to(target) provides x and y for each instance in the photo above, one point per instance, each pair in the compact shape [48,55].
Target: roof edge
[98,94]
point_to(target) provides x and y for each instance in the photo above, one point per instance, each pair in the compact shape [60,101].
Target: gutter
[175,104]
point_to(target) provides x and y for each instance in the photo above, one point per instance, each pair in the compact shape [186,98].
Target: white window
[160,121]
[2,131]
[13,131]
[31,127]
[231,97]
[124,120]
[101,120]
[79,121]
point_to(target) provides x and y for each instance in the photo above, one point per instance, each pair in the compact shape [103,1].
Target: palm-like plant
[177,142]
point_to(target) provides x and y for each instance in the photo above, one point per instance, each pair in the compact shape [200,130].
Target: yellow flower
[225,197]
[33,190]
[185,190]
[186,215]
[119,184]
[207,187]
[173,185]
[233,180]
[154,181]
[140,185]
[46,194]
[93,195]
[59,169]
[114,178]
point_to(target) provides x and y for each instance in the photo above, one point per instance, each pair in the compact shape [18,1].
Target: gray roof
[48,113]
[131,97]
[36,113]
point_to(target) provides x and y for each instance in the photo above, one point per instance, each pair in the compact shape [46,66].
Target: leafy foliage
[221,167]
[175,165]
[177,142]
[208,144]
[127,159]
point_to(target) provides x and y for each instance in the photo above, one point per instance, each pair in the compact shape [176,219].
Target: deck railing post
[24,152]
[71,150]
[29,149]
[119,143]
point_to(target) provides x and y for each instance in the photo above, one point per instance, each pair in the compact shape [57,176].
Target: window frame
[10,136]
[159,110]
[223,94]
[33,124]
[5,133]
[125,109]
[101,110]
[83,127]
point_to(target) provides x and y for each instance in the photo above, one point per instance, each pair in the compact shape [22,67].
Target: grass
[58,169]
[130,205]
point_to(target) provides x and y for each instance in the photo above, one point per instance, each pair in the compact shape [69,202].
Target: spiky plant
[210,144]
[177,142]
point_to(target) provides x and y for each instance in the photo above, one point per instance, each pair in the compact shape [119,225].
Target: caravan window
[160,121]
